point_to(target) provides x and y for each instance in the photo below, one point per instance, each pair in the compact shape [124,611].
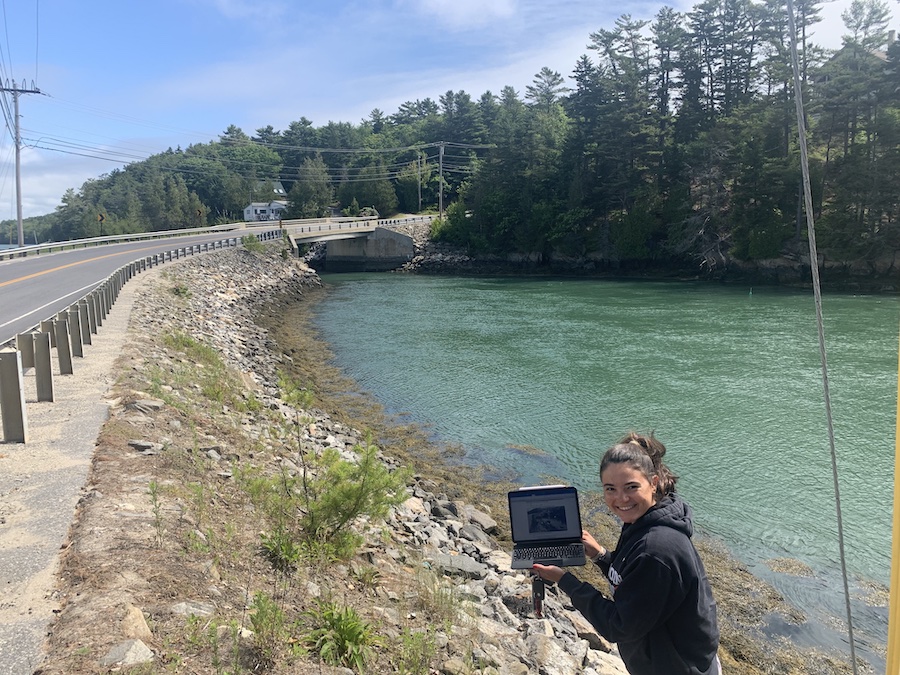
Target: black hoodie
[663,616]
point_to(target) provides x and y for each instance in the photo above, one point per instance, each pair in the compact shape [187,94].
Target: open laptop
[546,526]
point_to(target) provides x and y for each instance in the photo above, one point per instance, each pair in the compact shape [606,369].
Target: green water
[729,378]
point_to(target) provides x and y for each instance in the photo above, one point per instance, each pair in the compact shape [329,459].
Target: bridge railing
[294,224]
[70,330]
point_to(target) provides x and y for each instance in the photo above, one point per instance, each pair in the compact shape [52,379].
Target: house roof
[275,202]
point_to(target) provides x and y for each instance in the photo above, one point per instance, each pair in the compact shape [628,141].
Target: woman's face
[628,492]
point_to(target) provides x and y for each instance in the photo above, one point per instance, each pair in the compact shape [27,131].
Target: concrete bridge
[355,245]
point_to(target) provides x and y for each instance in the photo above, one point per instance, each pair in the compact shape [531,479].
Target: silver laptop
[546,526]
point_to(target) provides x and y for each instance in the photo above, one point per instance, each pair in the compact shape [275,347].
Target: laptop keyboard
[548,552]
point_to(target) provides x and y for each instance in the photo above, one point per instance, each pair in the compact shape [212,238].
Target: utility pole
[18,139]
[419,167]
[441,180]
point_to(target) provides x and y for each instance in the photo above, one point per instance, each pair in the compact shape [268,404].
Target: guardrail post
[75,332]
[12,397]
[84,322]
[25,346]
[91,303]
[63,350]
[47,327]
[43,372]
[100,298]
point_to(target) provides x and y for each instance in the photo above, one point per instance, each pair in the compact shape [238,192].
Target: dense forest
[677,141]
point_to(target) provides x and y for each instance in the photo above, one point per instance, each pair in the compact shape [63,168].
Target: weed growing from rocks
[270,630]
[156,506]
[181,291]
[340,636]
[436,599]
[417,650]
[282,550]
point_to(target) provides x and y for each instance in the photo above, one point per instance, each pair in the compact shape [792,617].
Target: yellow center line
[66,266]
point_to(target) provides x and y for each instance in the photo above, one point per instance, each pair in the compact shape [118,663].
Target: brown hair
[643,453]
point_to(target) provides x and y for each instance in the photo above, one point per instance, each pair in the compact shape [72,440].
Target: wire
[37,35]
[820,324]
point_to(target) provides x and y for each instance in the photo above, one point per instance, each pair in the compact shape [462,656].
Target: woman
[662,615]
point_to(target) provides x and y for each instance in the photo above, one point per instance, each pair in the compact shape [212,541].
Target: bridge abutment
[380,251]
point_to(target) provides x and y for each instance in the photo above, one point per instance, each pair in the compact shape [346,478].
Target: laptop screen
[539,514]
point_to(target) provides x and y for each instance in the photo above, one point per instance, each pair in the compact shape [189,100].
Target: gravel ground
[41,482]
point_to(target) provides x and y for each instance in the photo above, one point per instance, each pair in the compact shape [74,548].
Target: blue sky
[125,79]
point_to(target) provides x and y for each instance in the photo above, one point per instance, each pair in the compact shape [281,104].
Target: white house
[265,210]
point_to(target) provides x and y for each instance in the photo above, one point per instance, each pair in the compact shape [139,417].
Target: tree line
[677,141]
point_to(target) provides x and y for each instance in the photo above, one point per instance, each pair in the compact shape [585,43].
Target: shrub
[252,243]
[316,508]
[342,491]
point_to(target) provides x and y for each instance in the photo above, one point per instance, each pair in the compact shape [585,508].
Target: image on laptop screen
[546,526]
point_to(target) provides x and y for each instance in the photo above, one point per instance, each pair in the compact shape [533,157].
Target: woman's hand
[591,548]
[550,573]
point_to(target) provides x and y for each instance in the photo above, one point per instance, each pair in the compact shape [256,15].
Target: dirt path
[41,483]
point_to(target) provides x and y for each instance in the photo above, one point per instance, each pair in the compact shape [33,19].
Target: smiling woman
[663,615]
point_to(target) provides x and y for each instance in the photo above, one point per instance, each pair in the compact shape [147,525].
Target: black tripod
[537,596]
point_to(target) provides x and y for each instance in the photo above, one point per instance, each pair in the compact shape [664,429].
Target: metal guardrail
[37,249]
[69,330]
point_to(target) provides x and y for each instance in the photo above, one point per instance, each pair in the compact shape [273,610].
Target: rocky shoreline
[115,615]
[790,270]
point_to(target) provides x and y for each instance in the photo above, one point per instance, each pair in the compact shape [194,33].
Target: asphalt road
[37,287]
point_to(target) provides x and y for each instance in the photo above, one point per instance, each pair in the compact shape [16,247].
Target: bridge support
[380,251]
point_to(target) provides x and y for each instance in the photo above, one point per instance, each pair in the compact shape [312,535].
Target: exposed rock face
[791,269]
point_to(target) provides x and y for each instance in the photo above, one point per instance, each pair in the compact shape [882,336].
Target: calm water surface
[729,378]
